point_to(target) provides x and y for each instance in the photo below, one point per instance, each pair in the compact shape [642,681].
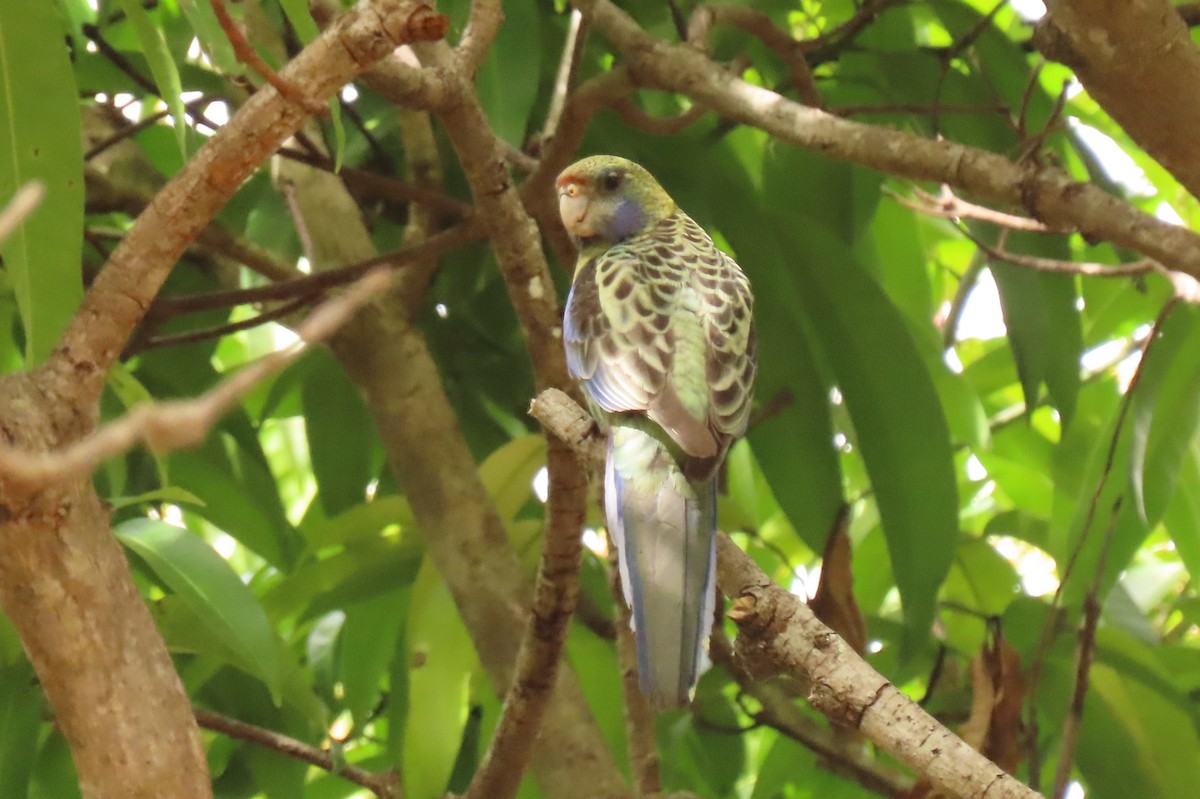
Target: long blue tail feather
[664,527]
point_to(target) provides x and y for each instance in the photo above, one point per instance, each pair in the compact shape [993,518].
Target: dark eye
[611,181]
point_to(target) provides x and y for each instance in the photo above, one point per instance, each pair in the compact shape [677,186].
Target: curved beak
[573,208]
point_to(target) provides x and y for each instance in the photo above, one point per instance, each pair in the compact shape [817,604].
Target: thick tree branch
[779,634]
[1048,194]
[1138,61]
[515,240]
[122,293]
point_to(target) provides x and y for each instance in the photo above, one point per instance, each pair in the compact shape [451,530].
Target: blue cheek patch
[626,220]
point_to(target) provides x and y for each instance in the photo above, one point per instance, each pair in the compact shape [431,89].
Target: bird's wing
[661,324]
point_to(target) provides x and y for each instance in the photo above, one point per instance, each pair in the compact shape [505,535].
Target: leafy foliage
[972,415]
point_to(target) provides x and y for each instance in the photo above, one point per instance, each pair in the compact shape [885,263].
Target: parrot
[658,328]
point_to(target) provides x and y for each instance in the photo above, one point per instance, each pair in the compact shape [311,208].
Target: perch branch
[518,249]
[780,634]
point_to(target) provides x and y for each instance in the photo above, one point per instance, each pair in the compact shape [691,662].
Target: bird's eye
[611,181]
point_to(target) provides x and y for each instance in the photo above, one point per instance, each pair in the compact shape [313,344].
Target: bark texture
[1136,58]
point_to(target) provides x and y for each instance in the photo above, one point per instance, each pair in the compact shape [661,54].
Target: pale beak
[573,208]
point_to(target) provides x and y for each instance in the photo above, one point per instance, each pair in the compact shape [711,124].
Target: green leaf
[165,494]
[1133,742]
[341,437]
[1182,516]
[162,66]
[199,576]
[508,78]
[21,705]
[210,35]
[1043,325]
[1165,412]
[369,637]
[364,521]
[508,473]
[442,660]
[40,141]
[897,415]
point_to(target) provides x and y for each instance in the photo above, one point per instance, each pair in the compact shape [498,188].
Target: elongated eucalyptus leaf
[21,706]
[368,645]
[40,141]
[199,576]
[441,661]
[1165,412]
[900,426]
[162,66]
[341,438]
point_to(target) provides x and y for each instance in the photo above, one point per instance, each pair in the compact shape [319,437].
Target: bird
[659,330]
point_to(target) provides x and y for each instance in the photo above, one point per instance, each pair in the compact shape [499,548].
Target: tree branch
[122,292]
[1137,60]
[176,424]
[1048,194]
[780,634]
[517,245]
[385,785]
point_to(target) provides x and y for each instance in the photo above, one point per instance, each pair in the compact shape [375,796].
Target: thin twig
[659,126]
[757,24]
[381,186]
[385,785]
[824,46]
[319,281]
[1083,663]
[22,204]
[1134,268]
[247,55]
[916,108]
[1141,267]
[640,738]
[1054,617]
[133,128]
[568,71]
[176,424]
[949,205]
[220,331]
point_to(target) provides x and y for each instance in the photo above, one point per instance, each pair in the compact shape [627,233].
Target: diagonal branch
[779,634]
[384,785]
[1048,194]
[122,292]
[177,424]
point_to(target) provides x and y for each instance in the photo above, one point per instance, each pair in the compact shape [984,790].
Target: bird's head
[604,200]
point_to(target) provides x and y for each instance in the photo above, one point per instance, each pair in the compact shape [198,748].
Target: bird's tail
[664,527]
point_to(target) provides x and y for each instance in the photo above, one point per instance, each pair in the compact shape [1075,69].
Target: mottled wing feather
[634,308]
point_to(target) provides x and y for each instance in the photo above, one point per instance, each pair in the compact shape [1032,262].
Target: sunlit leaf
[191,569]
[441,661]
[162,66]
[40,141]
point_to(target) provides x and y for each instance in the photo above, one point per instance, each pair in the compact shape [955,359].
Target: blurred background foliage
[973,416]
